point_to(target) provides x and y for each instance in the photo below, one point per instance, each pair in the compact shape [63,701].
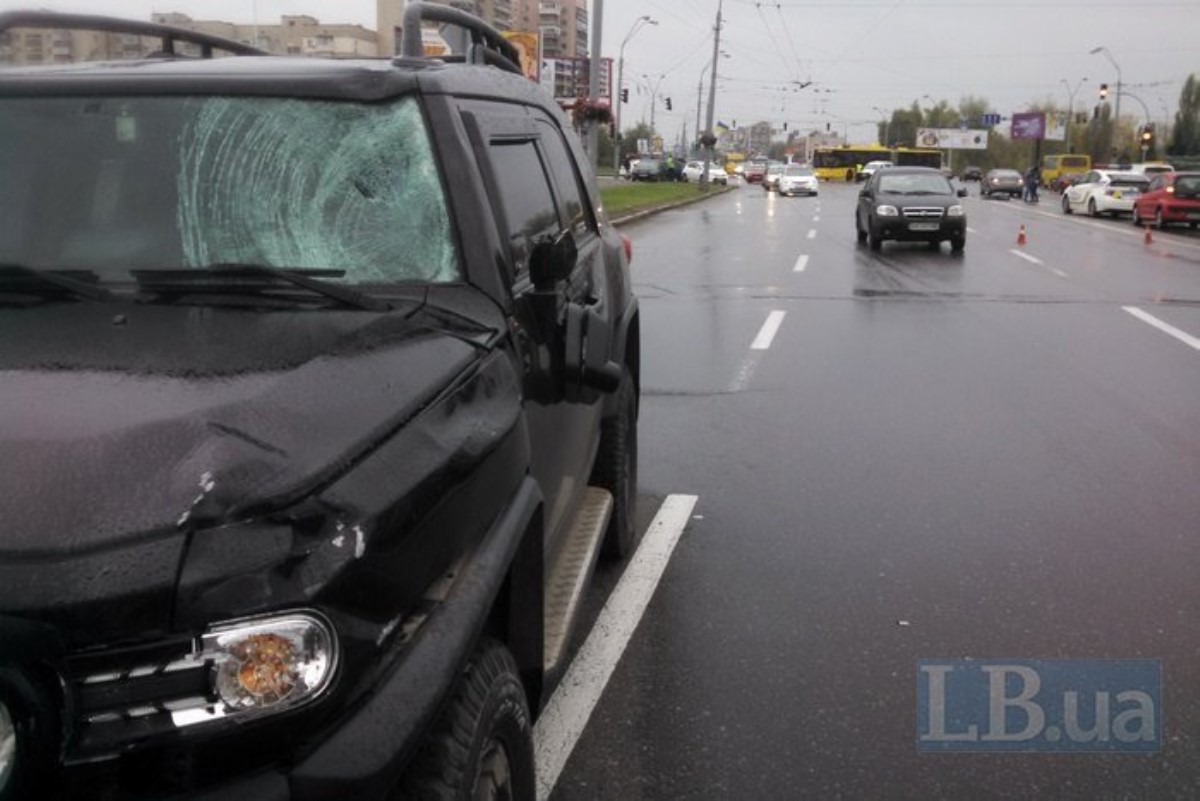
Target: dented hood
[123,424]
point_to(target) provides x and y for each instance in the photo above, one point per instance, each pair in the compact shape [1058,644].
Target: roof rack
[488,45]
[88,22]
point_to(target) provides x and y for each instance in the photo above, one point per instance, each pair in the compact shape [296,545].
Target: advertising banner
[1056,127]
[1029,125]
[952,138]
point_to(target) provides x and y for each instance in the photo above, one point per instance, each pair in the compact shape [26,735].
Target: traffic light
[1104,91]
[668,104]
[625,95]
[1148,136]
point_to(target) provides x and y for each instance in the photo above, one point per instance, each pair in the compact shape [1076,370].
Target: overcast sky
[859,54]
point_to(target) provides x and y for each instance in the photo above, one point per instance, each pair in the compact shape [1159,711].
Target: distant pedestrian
[1033,176]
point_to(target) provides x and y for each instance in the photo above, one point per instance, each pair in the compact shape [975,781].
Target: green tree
[629,139]
[1185,136]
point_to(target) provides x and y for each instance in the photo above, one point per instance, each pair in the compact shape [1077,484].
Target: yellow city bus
[1062,164]
[843,163]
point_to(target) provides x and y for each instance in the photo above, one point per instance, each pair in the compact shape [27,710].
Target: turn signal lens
[271,664]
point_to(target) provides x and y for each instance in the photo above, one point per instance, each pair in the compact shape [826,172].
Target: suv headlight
[271,664]
[954,211]
[887,211]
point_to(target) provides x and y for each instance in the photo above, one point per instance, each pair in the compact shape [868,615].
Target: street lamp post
[593,131]
[637,26]
[1070,106]
[886,123]
[712,100]
[1113,61]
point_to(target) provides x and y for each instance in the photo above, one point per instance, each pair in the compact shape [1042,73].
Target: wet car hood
[126,424]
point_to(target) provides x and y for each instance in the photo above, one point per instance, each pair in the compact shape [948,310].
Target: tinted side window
[525,195]
[566,179]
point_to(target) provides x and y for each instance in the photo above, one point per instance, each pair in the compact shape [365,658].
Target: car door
[535,191]
[1078,193]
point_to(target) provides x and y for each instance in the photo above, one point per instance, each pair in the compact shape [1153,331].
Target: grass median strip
[631,197]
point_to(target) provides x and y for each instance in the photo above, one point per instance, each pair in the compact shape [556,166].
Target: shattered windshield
[117,184]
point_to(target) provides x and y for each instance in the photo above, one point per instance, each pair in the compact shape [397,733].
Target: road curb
[643,213]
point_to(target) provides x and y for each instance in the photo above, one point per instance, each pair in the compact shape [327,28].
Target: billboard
[952,138]
[527,46]
[1029,125]
[1056,127]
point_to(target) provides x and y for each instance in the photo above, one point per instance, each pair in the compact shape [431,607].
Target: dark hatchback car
[911,204]
[319,405]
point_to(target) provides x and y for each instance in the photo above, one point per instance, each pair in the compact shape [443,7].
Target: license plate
[1116,195]
[923,226]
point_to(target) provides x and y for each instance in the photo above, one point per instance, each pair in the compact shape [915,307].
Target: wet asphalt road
[935,457]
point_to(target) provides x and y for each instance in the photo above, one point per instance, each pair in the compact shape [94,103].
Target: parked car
[1002,182]
[693,170]
[971,174]
[1172,197]
[717,174]
[320,392]
[1104,192]
[870,168]
[911,204]
[649,170]
[797,180]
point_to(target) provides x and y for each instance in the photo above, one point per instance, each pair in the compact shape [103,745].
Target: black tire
[1135,218]
[958,243]
[873,240]
[616,470]
[1066,205]
[482,746]
[859,233]
[1091,207]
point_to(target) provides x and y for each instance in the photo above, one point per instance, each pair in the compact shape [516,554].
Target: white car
[692,171]
[870,168]
[1104,192]
[797,180]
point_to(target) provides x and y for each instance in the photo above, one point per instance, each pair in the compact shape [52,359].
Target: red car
[1172,197]
[754,171]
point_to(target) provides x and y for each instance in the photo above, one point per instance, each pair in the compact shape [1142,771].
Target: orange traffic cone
[1147,239]
[1021,236]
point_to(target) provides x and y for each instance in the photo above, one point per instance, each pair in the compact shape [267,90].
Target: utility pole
[593,133]
[712,99]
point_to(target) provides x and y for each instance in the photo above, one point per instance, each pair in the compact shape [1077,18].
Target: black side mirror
[552,260]
[962,191]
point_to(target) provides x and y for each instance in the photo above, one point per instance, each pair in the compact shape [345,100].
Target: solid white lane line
[801,264]
[767,333]
[1058,272]
[812,233]
[816,218]
[565,716]
[1166,328]
[1027,257]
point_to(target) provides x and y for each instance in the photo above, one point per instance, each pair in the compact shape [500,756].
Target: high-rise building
[563,24]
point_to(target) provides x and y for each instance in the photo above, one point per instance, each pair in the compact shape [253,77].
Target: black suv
[319,401]
[911,204]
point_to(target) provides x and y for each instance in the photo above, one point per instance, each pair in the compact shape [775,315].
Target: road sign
[988,120]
